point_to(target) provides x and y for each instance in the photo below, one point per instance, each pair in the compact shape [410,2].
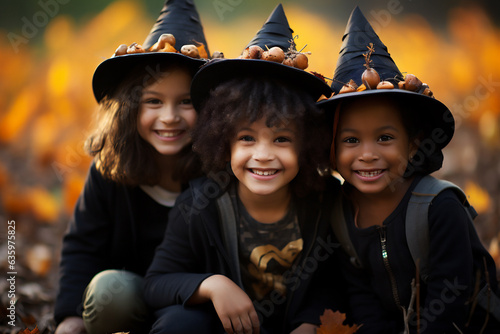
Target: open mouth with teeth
[267,172]
[368,174]
[169,134]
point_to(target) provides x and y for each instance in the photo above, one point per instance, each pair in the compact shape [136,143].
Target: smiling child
[388,138]
[143,159]
[243,252]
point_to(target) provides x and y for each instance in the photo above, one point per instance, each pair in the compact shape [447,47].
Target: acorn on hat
[274,38]
[178,25]
[362,51]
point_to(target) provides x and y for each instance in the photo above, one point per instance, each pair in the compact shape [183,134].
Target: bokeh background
[52,47]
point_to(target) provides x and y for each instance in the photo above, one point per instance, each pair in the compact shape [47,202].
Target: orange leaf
[201,49]
[333,323]
[27,331]
[168,48]
[43,204]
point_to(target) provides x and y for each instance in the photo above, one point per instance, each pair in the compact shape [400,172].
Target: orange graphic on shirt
[259,259]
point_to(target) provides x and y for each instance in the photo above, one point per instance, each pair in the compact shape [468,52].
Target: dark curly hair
[250,99]
[119,152]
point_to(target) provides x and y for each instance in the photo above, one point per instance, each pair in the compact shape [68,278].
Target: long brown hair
[119,152]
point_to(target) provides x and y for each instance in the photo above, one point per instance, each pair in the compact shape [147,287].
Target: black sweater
[194,248]
[113,227]
[378,291]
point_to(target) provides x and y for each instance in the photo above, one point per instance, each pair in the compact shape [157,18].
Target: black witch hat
[178,18]
[275,32]
[362,49]
[350,65]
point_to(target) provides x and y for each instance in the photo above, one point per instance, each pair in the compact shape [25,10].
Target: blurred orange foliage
[46,100]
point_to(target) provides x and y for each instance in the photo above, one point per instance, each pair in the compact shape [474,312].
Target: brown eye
[350,140]
[385,138]
[152,101]
[283,140]
[246,138]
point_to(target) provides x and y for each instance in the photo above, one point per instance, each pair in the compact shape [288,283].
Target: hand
[71,325]
[232,304]
[305,329]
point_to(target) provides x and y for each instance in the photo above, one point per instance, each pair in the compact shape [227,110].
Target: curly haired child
[247,247]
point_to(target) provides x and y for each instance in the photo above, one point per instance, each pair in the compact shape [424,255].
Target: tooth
[168,134]
[263,173]
[370,174]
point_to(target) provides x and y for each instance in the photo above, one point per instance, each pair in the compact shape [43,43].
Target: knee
[114,297]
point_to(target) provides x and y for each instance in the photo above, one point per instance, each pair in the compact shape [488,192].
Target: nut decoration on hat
[176,36]
[365,67]
[270,54]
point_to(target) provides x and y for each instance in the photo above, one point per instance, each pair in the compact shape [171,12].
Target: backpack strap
[229,231]
[417,232]
[339,228]
[417,218]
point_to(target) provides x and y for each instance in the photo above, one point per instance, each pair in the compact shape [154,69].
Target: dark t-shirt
[266,251]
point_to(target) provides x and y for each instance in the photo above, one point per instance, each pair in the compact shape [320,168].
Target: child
[142,160]
[385,142]
[244,248]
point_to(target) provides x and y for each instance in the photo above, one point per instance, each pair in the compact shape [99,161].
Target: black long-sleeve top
[113,227]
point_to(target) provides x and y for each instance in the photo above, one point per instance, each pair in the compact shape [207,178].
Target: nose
[169,114]
[263,152]
[368,153]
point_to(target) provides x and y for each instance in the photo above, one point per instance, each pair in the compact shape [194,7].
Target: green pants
[113,302]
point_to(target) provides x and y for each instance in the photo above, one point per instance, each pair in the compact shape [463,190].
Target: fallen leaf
[28,331]
[43,204]
[333,323]
[39,259]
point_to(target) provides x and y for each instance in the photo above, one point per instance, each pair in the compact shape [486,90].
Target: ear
[413,149]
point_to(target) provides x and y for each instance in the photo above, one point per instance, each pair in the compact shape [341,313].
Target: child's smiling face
[166,113]
[372,146]
[263,159]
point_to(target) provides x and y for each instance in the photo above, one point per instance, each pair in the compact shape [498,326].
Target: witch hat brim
[274,32]
[350,65]
[434,112]
[177,17]
[111,72]
[219,71]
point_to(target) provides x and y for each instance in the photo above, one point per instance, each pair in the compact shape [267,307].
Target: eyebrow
[284,129]
[153,92]
[382,128]
[275,131]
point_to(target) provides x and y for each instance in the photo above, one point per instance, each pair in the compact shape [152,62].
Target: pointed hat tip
[357,16]
[277,15]
[275,32]
[181,19]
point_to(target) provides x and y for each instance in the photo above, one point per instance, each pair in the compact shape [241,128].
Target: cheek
[191,117]
[341,156]
[290,160]
[143,122]
[294,159]
[236,156]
